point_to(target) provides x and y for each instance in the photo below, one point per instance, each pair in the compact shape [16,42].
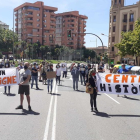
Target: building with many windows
[74,22]
[36,22]
[122,18]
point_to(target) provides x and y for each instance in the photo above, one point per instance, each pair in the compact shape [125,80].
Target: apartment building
[74,22]
[36,22]
[4,25]
[122,18]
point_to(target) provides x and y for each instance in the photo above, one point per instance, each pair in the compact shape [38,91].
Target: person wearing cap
[34,76]
[75,76]
[121,71]
[92,82]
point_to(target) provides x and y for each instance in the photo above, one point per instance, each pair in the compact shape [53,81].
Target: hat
[34,63]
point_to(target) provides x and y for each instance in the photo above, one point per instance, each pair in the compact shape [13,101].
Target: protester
[88,68]
[40,66]
[20,66]
[50,81]
[82,74]
[7,65]
[58,73]
[35,76]
[24,88]
[121,71]
[92,82]
[75,75]
[1,64]
[64,66]
[43,73]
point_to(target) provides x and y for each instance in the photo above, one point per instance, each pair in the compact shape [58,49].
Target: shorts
[24,89]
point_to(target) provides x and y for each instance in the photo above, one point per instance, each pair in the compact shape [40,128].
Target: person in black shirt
[1,65]
[92,82]
[34,76]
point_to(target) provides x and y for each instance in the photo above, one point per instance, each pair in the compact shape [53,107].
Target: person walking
[92,82]
[58,73]
[75,75]
[43,72]
[50,81]
[24,88]
[87,72]
[82,74]
[40,66]
[35,76]
[7,65]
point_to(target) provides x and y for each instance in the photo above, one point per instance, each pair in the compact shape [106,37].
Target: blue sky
[96,10]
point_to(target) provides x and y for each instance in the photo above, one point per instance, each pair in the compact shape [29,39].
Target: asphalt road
[66,115]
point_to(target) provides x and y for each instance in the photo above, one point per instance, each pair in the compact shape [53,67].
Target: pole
[13,34]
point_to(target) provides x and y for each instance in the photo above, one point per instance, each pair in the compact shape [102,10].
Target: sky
[96,10]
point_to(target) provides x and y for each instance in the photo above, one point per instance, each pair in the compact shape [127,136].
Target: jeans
[93,99]
[58,79]
[36,79]
[82,78]
[5,88]
[64,74]
[75,81]
[50,82]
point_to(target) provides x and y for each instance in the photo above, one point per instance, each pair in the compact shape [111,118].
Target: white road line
[49,114]
[112,98]
[54,117]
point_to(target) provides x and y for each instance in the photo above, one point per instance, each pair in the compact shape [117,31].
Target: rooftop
[2,23]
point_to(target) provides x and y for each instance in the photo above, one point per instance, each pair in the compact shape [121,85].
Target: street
[66,115]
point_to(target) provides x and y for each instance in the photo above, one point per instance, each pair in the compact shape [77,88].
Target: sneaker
[96,109]
[29,107]
[20,107]
[125,96]
[37,88]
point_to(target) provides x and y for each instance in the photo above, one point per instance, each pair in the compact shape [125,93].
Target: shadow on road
[9,94]
[102,114]
[13,114]
[131,98]
[30,112]
[121,115]
[56,94]
[80,91]
[65,86]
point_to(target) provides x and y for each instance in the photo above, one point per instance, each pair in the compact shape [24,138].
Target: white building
[4,25]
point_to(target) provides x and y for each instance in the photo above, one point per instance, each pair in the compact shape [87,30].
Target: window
[45,15]
[38,19]
[38,25]
[131,17]
[113,39]
[44,25]
[114,18]
[115,1]
[125,18]
[110,19]
[120,1]
[33,8]
[131,27]
[124,28]
[112,49]
[38,14]
[46,10]
[114,28]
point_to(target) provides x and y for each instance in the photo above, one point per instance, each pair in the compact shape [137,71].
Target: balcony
[16,14]
[131,20]
[52,14]
[84,30]
[30,25]
[16,19]
[16,29]
[52,42]
[52,23]
[16,24]
[125,20]
[84,25]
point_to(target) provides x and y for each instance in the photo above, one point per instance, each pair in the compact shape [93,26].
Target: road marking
[112,98]
[49,114]
[54,117]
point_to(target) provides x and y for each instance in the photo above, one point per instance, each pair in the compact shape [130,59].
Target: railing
[131,20]
[124,20]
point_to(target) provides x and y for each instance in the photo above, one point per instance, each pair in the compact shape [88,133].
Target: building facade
[122,18]
[74,22]
[36,22]
[4,25]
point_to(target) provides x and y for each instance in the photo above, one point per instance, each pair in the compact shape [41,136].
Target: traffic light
[69,33]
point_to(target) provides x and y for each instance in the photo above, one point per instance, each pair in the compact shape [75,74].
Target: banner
[118,84]
[9,76]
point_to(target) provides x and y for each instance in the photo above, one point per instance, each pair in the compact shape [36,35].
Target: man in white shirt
[58,73]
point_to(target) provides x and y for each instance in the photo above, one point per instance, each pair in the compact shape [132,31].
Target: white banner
[9,76]
[118,84]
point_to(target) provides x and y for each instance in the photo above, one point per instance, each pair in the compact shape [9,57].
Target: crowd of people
[38,72]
